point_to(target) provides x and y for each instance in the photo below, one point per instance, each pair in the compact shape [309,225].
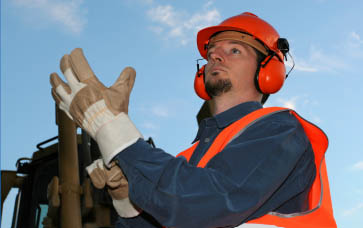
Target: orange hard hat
[247,23]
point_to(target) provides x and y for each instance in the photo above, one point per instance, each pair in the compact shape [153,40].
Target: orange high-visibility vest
[320,213]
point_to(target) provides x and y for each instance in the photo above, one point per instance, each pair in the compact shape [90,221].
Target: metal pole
[68,172]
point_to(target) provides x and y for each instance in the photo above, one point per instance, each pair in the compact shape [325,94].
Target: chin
[216,77]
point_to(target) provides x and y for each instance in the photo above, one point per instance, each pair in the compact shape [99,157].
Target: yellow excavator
[54,190]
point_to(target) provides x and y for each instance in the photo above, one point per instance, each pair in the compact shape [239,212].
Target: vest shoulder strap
[227,134]
[237,127]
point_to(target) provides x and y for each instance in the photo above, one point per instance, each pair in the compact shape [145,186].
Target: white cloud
[150,129]
[358,166]
[180,25]
[354,45]
[355,39]
[318,60]
[67,13]
[325,61]
[288,103]
[147,1]
[303,104]
[353,210]
[337,58]
[156,29]
[143,2]
[358,191]
[149,125]
[160,111]
[295,102]
[208,4]
[165,15]
[199,20]
[300,65]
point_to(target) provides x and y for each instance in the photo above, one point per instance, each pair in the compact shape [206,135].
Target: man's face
[231,67]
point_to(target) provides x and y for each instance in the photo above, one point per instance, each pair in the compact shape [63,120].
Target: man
[238,171]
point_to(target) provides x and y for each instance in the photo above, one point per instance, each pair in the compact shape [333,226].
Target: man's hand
[116,184]
[99,110]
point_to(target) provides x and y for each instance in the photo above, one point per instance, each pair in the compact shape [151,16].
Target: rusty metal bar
[68,172]
[9,180]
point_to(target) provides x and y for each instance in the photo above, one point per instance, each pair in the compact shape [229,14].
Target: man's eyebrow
[230,42]
[211,46]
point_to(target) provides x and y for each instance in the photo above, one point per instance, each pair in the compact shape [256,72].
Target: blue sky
[157,38]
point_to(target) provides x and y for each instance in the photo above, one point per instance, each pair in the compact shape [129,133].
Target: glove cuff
[115,136]
[125,208]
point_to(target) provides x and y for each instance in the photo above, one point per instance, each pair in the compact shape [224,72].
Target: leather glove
[99,110]
[117,186]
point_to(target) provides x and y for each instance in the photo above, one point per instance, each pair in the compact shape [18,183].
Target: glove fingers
[124,182]
[70,75]
[115,180]
[96,173]
[112,164]
[131,81]
[98,178]
[64,108]
[56,81]
[55,96]
[61,91]
[113,185]
[61,104]
[82,69]
[126,80]
[114,176]
[80,65]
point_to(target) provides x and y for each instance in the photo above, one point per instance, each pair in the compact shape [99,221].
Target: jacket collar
[227,117]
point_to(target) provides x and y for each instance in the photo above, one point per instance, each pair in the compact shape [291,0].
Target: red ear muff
[271,75]
[199,86]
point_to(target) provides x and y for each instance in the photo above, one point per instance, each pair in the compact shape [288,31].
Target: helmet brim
[205,34]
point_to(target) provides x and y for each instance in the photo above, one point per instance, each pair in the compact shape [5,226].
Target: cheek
[248,67]
[207,72]
[244,73]
[207,68]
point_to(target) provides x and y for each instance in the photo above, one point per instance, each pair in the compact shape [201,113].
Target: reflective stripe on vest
[320,213]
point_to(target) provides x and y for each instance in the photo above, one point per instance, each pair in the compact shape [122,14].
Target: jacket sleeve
[238,184]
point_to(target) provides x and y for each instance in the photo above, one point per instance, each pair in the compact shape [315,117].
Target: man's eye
[235,51]
[209,54]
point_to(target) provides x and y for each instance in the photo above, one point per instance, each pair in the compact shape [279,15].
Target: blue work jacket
[270,167]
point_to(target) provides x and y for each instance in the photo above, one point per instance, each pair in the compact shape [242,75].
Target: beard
[217,88]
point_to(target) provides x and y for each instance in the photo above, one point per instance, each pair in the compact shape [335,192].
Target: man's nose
[217,55]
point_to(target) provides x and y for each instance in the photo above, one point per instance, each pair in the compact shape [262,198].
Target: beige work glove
[117,186]
[100,111]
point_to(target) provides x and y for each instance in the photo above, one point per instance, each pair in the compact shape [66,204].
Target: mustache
[215,67]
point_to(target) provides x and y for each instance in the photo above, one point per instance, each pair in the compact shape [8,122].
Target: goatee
[218,88]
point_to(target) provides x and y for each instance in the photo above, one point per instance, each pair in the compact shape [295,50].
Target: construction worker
[249,166]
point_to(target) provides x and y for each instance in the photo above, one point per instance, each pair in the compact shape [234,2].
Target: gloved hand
[116,184]
[99,110]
